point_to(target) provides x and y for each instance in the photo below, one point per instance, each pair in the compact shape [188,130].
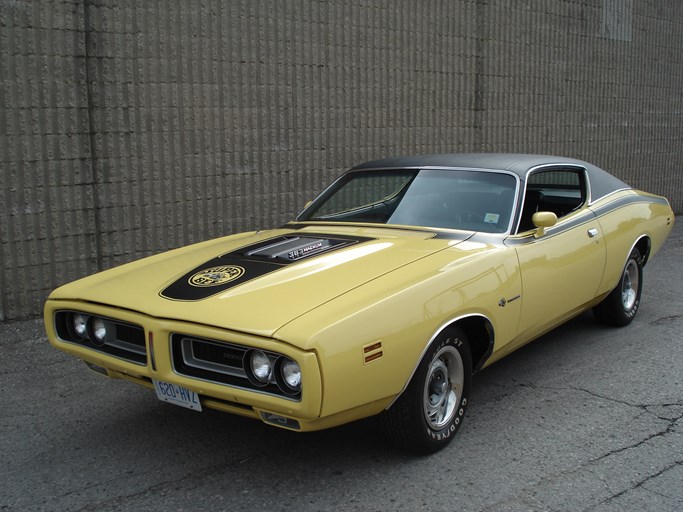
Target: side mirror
[308,203]
[543,220]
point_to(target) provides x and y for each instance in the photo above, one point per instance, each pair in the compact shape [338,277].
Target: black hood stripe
[238,267]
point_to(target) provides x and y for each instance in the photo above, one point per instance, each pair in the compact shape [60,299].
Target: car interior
[559,191]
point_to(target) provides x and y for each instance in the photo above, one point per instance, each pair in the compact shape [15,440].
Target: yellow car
[382,298]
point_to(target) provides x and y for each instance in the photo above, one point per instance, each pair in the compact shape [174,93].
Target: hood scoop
[287,249]
[290,248]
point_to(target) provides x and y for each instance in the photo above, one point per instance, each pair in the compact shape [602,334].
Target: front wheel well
[480,334]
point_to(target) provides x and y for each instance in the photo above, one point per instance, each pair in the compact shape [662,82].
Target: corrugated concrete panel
[223,116]
[128,127]
[47,233]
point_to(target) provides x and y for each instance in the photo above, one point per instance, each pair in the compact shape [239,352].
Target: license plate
[178,395]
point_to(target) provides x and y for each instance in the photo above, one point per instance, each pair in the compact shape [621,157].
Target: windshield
[469,200]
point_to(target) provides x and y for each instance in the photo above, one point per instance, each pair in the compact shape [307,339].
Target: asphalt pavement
[588,418]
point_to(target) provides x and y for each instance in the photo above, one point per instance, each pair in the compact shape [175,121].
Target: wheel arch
[480,334]
[479,331]
[644,246]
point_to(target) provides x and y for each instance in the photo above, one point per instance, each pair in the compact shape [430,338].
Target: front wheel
[428,414]
[621,305]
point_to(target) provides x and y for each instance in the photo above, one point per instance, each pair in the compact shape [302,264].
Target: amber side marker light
[372,352]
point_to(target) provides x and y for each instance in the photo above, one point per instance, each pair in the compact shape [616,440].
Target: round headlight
[80,324]
[99,331]
[261,367]
[290,372]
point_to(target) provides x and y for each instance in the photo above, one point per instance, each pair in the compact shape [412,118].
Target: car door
[562,268]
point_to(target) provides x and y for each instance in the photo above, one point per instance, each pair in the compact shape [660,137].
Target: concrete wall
[130,127]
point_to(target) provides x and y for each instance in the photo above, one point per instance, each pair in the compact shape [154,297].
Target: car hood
[256,282]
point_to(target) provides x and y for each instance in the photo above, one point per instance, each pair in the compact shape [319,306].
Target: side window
[560,191]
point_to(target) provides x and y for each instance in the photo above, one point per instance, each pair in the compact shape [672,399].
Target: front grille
[221,355]
[123,340]
[218,361]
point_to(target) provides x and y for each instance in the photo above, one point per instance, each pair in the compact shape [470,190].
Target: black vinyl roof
[601,182]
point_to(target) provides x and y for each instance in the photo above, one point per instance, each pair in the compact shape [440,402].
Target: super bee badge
[215,276]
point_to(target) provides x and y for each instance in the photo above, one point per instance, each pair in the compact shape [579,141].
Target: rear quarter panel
[626,217]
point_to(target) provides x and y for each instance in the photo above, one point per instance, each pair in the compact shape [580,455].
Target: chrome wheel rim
[630,283]
[443,387]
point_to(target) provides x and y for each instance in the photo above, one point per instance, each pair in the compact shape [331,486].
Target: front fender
[370,340]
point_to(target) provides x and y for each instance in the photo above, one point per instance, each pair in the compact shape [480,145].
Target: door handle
[592,232]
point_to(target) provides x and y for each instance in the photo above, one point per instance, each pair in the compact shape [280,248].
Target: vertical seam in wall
[185,237]
[222,170]
[91,134]
[480,45]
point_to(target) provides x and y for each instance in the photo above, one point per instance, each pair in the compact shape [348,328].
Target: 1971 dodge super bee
[382,298]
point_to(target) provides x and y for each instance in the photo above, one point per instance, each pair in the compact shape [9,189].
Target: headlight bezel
[286,369]
[78,329]
[256,375]
[98,330]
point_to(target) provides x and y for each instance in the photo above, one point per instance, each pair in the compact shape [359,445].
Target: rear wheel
[428,414]
[621,305]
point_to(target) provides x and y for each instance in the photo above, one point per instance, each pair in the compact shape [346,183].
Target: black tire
[430,411]
[621,305]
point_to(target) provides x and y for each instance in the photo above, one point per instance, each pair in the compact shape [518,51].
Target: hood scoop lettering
[291,248]
[237,267]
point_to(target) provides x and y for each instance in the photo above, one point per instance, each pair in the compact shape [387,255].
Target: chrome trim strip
[130,347]
[438,233]
[435,167]
[644,256]
[557,164]
[584,216]
[593,201]
[579,220]
[544,166]
[152,357]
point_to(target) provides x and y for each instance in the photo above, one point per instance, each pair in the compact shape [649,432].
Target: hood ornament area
[215,276]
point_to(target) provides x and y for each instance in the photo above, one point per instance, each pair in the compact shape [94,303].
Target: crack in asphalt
[668,430]
[645,408]
[666,320]
[636,486]
[602,397]
[530,385]
[562,474]
[195,474]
